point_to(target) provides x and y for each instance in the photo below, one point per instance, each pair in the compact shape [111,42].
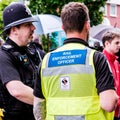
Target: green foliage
[47,6]
[53,40]
[55,6]
[94,6]
[45,43]
[49,42]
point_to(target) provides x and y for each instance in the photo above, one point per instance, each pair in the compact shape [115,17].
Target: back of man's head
[110,35]
[74,15]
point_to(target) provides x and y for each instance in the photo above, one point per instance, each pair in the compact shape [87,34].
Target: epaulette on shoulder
[7,47]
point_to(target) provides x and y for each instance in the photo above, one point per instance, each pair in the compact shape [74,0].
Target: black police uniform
[17,63]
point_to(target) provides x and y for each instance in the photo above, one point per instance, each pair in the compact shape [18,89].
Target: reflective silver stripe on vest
[47,60]
[71,69]
[88,54]
[69,117]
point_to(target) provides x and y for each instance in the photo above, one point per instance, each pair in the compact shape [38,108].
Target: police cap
[16,13]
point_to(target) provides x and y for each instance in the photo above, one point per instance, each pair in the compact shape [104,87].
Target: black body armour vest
[28,70]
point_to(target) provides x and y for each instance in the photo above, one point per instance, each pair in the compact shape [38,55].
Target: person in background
[111,43]
[36,38]
[97,46]
[18,68]
[118,56]
[76,82]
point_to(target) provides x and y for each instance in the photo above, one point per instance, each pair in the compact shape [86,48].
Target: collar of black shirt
[75,40]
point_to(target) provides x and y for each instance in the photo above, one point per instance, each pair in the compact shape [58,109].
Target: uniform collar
[75,40]
[11,42]
[110,56]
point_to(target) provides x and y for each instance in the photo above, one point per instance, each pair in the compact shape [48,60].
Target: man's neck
[110,52]
[76,35]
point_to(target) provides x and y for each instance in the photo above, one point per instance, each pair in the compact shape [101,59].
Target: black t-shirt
[104,78]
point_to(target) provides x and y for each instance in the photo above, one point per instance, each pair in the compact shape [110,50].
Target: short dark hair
[110,35]
[74,15]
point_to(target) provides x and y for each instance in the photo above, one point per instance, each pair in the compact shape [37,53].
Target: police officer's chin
[30,39]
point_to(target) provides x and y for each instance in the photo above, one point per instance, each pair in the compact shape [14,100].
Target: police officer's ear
[14,30]
[62,27]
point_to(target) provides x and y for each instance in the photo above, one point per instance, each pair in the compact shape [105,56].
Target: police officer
[76,81]
[17,63]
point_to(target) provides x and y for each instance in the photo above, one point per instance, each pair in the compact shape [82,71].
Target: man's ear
[86,26]
[106,43]
[87,23]
[14,30]
[62,27]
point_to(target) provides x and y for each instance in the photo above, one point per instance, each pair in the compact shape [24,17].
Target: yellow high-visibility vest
[1,113]
[69,85]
